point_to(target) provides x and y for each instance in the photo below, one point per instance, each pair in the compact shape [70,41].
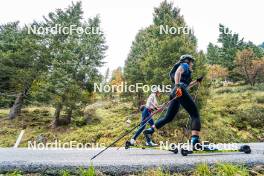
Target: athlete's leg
[190,106]
[170,114]
[172,110]
[144,121]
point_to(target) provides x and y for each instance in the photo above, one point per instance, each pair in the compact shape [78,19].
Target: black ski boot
[129,143]
[195,142]
[197,145]
[148,134]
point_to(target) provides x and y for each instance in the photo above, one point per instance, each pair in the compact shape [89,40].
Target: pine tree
[76,58]
[23,59]
[153,54]
[214,54]
[261,45]
[230,45]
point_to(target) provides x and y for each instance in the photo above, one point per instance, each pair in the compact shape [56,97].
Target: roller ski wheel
[200,148]
[245,148]
[175,151]
[184,152]
[128,145]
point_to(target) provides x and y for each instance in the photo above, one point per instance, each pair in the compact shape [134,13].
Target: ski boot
[148,134]
[151,144]
[195,142]
[196,145]
[129,143]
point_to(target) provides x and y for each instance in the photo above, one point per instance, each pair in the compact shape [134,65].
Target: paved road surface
[115,161]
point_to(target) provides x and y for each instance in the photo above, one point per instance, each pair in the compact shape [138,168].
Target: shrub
[260,100]
[64,173]
[88,172]
[15,173]
[230,170]
[202,170]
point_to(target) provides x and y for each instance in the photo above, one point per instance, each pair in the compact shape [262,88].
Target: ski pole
[125,134]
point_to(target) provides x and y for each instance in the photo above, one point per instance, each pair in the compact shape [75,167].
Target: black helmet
[188,57]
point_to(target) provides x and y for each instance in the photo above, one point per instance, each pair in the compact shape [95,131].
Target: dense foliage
[56,68]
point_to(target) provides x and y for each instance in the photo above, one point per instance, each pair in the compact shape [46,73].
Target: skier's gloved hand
[178,90]
[199,80]
[160,109]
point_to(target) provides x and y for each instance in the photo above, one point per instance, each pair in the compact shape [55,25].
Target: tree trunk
[15,110]
[69,116]
[247,75]
[57,120]
[62,121]
[254,77]
[57,115]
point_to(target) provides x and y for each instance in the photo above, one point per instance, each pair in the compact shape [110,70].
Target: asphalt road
[116,162]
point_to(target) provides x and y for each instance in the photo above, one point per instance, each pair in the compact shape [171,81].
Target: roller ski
[202,148]
[149,143]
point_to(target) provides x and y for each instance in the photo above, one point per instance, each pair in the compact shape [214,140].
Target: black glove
[142,107]
[199,79]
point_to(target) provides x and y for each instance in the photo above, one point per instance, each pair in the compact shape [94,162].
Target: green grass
[219,169]
[14,173]
[82,172]
[64,173]
[88,172]
[240,111]
[230,170]
[158,172]
[202,170]
[108,122]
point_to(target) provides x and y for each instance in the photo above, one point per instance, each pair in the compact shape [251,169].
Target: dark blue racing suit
[185,100]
